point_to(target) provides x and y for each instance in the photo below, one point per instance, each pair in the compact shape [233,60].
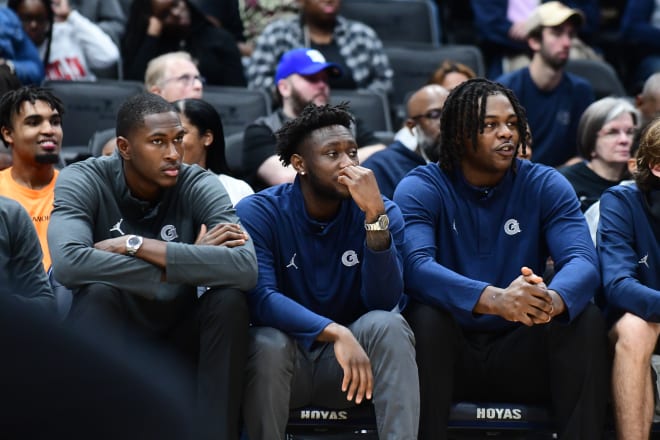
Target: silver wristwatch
[133,243]
[382,224]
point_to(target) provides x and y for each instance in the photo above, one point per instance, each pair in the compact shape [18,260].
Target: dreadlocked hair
[463,115]
[294,132]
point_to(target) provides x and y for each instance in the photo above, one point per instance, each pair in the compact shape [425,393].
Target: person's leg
[389,342]
[268,382]
[100,306]
[632,387]
[561,364]
[438,338]
[579,374]
[223,320]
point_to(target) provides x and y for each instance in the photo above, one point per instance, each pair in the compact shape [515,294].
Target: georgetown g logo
[512,227]
[349,258]
[168,233]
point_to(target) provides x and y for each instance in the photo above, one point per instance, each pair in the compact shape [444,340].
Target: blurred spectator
[640,28]
[394,162]
[450,74]
[648,101]
[553,98]
[157,27]
[605,138]
[204,144]
[257,14]
[174,76]
[501,25]
[224,14]
[352,45]
[301,78]
[18,56]
[107,14]
[31,125]
[21,268]
[70,44]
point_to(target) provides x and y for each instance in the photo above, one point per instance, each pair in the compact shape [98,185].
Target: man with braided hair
[325,330]
[480,225]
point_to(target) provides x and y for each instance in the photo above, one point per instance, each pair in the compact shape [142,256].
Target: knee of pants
[380,325]
[432,326]
[228,305]
[593,320]
[270,351]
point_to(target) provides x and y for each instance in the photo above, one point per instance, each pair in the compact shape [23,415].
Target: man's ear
[410,124]
[298,163]
[534,43]
[155,90]
[124,147]
[7,138]
[284,87]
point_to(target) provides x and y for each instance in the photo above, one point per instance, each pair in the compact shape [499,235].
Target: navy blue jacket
[461,239]
[629,255]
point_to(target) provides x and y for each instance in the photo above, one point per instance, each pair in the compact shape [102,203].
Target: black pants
[210,331]
[564,365]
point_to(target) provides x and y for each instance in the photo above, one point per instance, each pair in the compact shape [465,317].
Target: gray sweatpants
[281,375]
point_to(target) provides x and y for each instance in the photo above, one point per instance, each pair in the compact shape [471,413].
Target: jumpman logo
[643,261]
[292,263]
[117,227]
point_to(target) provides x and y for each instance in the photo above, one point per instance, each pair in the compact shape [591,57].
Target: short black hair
[132,112]
[11,102]
[294,132]
[463,115]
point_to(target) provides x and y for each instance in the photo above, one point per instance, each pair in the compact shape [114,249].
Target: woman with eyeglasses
[156,27]
[204,144]
[605,139]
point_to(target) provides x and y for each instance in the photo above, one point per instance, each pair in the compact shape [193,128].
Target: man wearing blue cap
[301,78]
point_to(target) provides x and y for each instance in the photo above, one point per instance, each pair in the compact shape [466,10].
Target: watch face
[383,221]
[134,241]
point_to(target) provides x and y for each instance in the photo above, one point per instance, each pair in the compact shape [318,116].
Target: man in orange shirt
[31,126]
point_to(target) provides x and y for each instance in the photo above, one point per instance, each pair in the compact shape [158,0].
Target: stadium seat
[89,107]
[237,106]
[413,65]
[601,75]
[397,21]
[491,419]
[234,153]
[371,108]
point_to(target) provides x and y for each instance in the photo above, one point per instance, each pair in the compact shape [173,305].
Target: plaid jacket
[358,44]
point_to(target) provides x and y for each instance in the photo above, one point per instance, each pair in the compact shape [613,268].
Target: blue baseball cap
[304,61]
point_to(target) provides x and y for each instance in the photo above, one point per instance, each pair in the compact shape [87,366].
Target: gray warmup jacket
[93,203]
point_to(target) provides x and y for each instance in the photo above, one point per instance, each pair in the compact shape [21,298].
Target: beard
[326,192]
[47,158]
[298,103]
[554,63]
[427,146]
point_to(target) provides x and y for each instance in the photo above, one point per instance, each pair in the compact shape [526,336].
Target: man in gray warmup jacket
[134,234]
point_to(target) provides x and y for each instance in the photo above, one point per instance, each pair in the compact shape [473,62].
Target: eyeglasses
[187,80]
[433,114]
[616,132]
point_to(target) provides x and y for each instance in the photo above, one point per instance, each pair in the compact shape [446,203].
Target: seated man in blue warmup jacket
[330,278]
[480,225]
[628,237]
